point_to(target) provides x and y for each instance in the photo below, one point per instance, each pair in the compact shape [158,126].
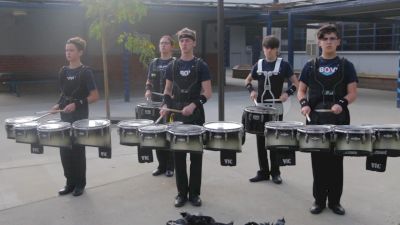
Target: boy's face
[270,53]
[329,43]
[186,45]
[165,45]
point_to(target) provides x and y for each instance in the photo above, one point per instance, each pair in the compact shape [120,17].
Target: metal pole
[269,24]
[290,40]
[221,66]
[398,86]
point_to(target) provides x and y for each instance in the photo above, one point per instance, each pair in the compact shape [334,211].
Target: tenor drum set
[224,136]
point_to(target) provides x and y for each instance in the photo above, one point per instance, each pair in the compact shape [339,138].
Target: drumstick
[323,110]
[157,93]
[255,102]
[53,111]
[172,110]
[273,100]
[308,117]
[42,116]
[158,120]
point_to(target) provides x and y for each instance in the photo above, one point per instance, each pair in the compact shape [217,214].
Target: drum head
[316,129]
[284,125]
[260,109]
[87,124]
[153,129]
[26,126]
[150,105]
[54,126]
[134,123]
[22,119]
[223,126]
[186,129]
[352,129]
[175,123]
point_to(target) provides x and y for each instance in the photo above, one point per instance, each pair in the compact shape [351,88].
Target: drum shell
[314,142]
[148,111]
[26,135]
[353,144]
[281,137]
[10,131]
[229,140]
[99,137]
[186,143]
[129,136]
[254,121]
[58,138]
[387,142]
[154,140]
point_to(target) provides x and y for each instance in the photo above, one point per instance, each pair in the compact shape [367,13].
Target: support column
[221,64]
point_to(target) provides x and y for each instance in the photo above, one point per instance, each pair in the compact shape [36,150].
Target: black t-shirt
[78,82]
[328,68]
[285,72]
[158,65]
[184,67]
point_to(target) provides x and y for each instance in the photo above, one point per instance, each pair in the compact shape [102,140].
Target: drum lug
[200,139]
[378,135]
[306,137]
[187,139]
[397,135]
[347,138]
[174,139]
[155,137]
[226,137]
[276,134]
[363,139]
[323,138]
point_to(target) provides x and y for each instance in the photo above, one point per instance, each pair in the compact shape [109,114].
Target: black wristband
[79,103]
[343,102]
[304,102]
[149,87]
[249,87]
[200,101]
[168,100]
[291,90]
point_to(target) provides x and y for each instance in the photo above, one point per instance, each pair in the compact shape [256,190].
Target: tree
[109,14]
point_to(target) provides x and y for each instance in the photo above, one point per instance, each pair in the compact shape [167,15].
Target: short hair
[170,39]
[327,29]
[186,33]
[270,41]
[79,43]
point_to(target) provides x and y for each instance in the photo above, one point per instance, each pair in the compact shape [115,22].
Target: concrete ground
[121,191]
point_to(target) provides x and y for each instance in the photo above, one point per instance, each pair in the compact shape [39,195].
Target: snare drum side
[186,143]
[314,142]
[353,144]
[231,141]
[99,137]
[28,136]
[60,138]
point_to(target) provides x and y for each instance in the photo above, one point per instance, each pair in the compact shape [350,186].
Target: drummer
[154,88]
[270,74]
[189,82]
[327,82]
[78,90]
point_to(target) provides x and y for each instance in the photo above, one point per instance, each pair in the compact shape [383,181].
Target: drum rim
[202,130]
[11,121]
[326,129]
[295,125]
[26,126]
[247,109]
[384,127]
[121,125]
[163,129]
[240,128]
[352,129]
[75,124]
[66,127]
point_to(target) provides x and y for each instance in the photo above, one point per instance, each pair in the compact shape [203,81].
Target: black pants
[74,163]
[263,158]
[328,177]
[193,184]
[165,160]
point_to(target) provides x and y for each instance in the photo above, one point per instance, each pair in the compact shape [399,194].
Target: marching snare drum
[224,136]
[387,139]
[94,133]
[10,122]
[353,140]
[315,138]
[26,132]
[153,136]
[56,134]
[149,110]
[281,134]
[186,138]
[128,131]
[256,116]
